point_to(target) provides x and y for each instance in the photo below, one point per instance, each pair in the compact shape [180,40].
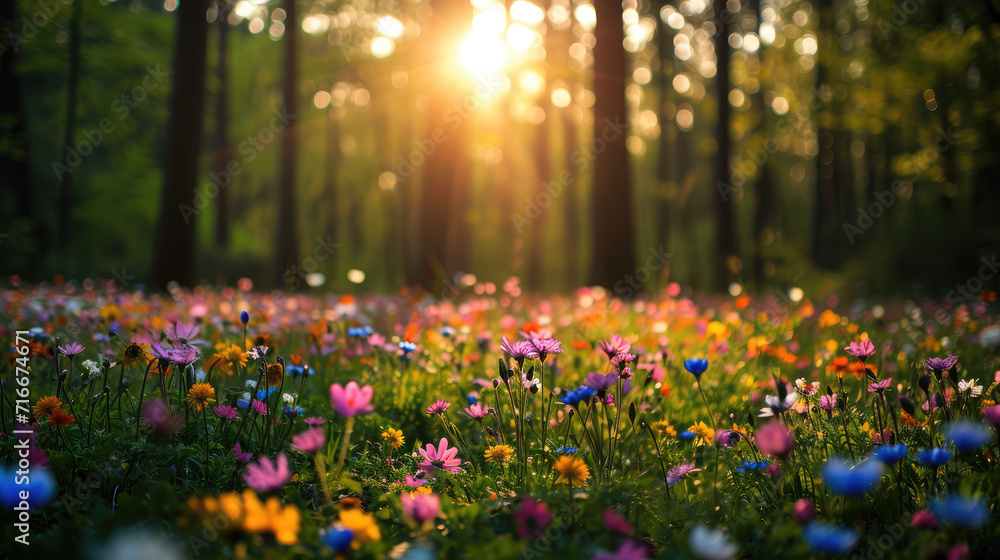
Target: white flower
[288,398]
[200,375]
[93,367]
[711,544]
[807,389]
[964,386]
[776,405]
[251,383]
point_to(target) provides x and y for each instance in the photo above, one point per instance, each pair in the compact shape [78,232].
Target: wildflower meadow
[235,424]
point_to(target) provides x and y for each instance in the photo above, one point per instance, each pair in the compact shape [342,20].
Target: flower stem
[344,445]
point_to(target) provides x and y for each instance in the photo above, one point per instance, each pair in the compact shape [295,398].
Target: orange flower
[908,420]
[58,417]
[45,406]
[839,366]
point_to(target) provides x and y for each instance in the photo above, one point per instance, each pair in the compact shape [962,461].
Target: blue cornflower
[243,403]
[696,366]
[686,434]
[564,449]
[263,396]
[968,436]
[360,332]
[829,539]
[962,512]
[338,539]
[294,370]
[244,317]
[574,397]
[753,466]
[934,457]
[890,454]
[472,398]
[447,332]
[851,480]
[407,347]
[40,486]
[298,410]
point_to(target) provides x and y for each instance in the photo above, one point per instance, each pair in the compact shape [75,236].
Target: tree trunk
[174,246]
[444,197]
[286,251]
[571,200]
[65,204]
[613,257]
[663,167]
[543,174]
[223,150]
[725,231]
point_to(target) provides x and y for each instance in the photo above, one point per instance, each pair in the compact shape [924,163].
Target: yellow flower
[499,453]
[363,525]
[271,517]
[701,430]
[227,360]
[134,354]
[664,427]
[110,313]
[394,437]
[200,395]
[572,470]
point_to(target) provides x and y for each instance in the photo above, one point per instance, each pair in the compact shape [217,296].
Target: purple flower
[545,346]
[939,365]
[438,408]
[631,549]
[677,473]
[519,350]
[314,421]
[617,345]
[532,518]
[621,361]
[601,382]
[182,355]
[71,349]
[727,438]
[879,386]
[240,455]
[156,413]
[225,412]
[182,332]
[863,350]
[266,475]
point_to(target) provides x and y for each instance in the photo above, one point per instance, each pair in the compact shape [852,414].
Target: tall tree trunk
[725,231]
[613,257]
[174,245]
[331,181]
[223,150]
[663,167]
[14,166]
[65,204]
[286,251]
[571,200]
[543,175]
[442,205]
[821,250]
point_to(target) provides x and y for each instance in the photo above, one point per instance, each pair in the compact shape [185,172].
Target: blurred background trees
[371,144]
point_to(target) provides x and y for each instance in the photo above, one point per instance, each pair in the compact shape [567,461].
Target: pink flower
[440,457]
[421,507]
[828,403]
[267,475]
[774,439]
[438,408]
[862,350]
[617,523]
[805,511]
[260,407]
[314,421]
[532,518]
[182,332]
[157,414]
[309,441]
[879,386]
[617,345]
[351,400]
[415,482]
[959,552]
[225,412]
[240,455]
[923,519]
[477,411]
